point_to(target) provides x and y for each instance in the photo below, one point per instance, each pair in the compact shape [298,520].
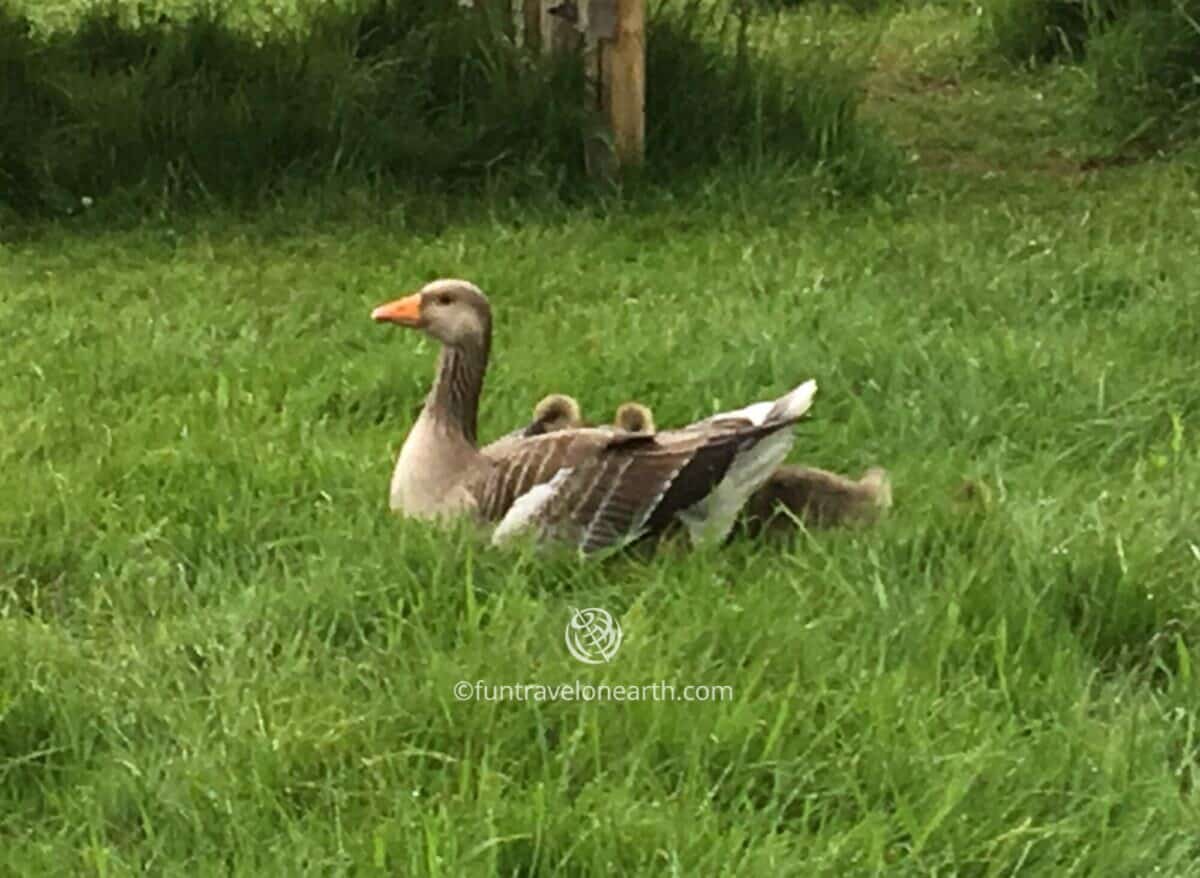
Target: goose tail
[711,519]
[793,405]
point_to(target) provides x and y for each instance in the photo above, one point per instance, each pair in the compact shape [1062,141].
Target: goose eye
[443,299]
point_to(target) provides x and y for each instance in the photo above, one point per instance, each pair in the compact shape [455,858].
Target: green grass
[220,654]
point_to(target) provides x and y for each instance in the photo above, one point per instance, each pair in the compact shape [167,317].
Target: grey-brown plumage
[593,487]
[818,498]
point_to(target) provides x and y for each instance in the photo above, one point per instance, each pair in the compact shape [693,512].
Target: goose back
[603,486]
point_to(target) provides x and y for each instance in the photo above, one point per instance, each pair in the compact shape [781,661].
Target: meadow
[219,653]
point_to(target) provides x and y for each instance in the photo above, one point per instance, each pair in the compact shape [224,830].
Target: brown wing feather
[630,501]
[608,497]
[524,464]
[620,485]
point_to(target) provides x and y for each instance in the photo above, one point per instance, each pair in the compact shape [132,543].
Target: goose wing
[597,488]
[518,463]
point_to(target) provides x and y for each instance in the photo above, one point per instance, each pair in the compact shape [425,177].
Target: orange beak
[406,311]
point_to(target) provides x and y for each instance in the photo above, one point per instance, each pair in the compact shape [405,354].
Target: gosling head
[633,417]
[555,412]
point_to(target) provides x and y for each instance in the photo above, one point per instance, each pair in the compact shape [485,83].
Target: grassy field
[220,654]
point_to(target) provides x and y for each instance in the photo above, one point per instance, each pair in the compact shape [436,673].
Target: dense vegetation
[1144,56]
[201,104]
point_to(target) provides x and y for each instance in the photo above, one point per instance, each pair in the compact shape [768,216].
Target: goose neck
[453,402]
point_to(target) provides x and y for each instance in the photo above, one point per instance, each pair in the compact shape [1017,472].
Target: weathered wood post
[531,17]
[612,36]
[623,71]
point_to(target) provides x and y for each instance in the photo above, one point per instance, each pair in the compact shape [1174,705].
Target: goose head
[455,312]
[633,417]
[555,412]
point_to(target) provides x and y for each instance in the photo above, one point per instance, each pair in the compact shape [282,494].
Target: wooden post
[531,16]
[623,72]
[611,37]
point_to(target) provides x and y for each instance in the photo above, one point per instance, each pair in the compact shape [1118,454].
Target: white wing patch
[756,414]
[796,402]
[791,405]
[712,518]
[525,510]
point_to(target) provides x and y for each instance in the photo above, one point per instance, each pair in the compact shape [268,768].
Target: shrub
[1147,69]
[724,85]
[196,108]
[30,107]
[403,92]
[1039,31]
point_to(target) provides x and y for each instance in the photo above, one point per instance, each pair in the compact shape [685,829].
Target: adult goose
[593,488]
[817,497]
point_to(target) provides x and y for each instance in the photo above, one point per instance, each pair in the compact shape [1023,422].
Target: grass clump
[725,84]
[193,107]
[1147,69]
[1143,59]
[30,106]
[1039,31]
